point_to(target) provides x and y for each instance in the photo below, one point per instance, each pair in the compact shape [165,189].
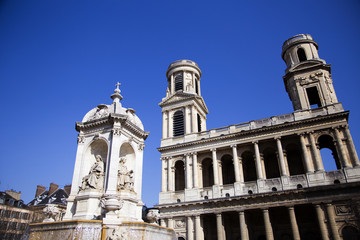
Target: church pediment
[183,97]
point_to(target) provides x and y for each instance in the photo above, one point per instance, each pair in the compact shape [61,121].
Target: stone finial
[116,96]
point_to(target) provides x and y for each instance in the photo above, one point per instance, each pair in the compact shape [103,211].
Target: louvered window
[179,82]
[178,123]
[199,123]
[301,54]
[196,86]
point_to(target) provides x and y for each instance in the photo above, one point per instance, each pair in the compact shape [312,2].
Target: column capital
[193,153]
[310,132]
[277,137]
[255,142]
[213,149]
[301,134]
[233,145]
[336,128]
[187,154]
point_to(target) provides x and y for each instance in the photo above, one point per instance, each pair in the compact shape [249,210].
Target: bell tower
[184,110]
[307,77]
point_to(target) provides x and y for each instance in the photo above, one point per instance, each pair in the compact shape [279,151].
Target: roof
[6,199]
[57,197]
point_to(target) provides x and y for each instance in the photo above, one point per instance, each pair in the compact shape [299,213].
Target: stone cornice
[258,131]
[183,97]
[109,120]
[319,194]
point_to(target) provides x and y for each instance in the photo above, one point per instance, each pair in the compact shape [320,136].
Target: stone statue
[52,213]
[95,177]
[126,178]
[153,216]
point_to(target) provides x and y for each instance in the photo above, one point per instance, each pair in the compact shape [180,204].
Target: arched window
[301,55]
[271,164]
[207,172]
[178,126]
[294,159]
[199,122]
[196,86]
[227,167]
[249,168]
[328,153]
[179,176]
[350,233]
[179,82]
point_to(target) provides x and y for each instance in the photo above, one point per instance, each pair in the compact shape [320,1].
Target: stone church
[263,179]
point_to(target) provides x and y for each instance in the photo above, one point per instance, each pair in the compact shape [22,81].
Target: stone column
[172,84]
[219,227]
[331,215]
[318,161]
[188,171]
[198,228]
[220,172]
[162,222]
[194,120]
[305,153]
[321,220]
[163,175]
[165,124]
[195,170]
[170,176]
[267,223]
[339,144]
[243,226]
[236,163]
[189,228]
[241,170]
[114,161]
[171,124]
[281,157]
[170,223]
[258,161]
[294,226]
[187,118]
[215,166]
[351,147]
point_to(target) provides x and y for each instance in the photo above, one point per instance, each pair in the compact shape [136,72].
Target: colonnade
[310,151]
[195,228]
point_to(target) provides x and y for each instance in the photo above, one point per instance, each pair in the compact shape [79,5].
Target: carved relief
[101,111]
[180,223]
[118,234]
[116,131]
[141,147]
[80,139]
[153,216]
[343,210]
[95,178]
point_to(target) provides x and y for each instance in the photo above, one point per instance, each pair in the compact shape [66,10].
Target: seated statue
[95,177]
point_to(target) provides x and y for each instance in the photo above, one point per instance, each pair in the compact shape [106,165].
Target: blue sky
[59,59]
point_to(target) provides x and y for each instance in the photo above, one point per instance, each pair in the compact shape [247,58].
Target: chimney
[39,190]
[67,189]
[14,194]
[53,187]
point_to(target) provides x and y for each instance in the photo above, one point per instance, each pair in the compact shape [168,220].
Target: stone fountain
[105,199]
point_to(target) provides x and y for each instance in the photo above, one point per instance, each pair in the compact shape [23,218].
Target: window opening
[301,54]
[179,176]
[249,169]
[196,86]
[178,127]
[328,153]
[207,172]
[199,122]
[313,96]
[179,82]
[227,167]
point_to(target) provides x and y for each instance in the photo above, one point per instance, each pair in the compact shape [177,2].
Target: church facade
[263,179]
